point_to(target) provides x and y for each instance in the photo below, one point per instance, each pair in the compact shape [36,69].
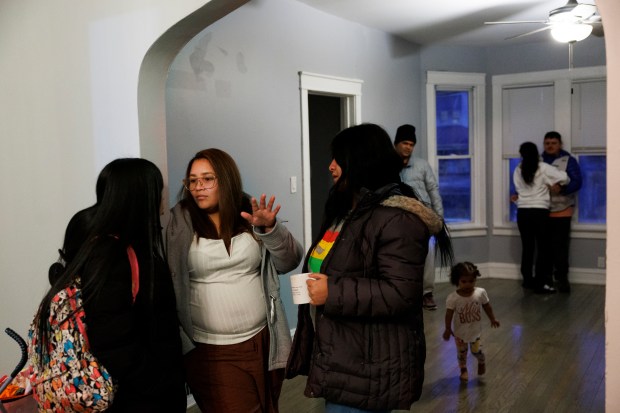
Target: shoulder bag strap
[135,272]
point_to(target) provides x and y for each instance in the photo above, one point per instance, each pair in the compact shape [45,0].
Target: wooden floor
[547,356]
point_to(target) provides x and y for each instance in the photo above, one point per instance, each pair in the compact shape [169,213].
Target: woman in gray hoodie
[226,252]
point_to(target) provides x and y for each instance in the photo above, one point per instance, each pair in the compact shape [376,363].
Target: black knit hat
[405,133]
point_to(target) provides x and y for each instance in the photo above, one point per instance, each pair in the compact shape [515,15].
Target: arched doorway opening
[154,72]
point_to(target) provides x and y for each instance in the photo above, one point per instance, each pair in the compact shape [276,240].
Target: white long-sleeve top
[536,194]
[226,296]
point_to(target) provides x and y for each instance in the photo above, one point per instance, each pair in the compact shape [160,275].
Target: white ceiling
[456,22]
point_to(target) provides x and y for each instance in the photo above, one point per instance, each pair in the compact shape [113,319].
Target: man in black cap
[418,174]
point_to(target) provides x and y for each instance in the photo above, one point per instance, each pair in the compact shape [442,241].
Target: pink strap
[135,272]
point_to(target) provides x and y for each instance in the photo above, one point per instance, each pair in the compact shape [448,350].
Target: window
[527,105]
[512,165]
[588,140]
[453,153]
[592,198]
[526,111]
[455,116]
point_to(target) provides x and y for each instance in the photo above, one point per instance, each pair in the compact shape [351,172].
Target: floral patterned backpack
[69,378]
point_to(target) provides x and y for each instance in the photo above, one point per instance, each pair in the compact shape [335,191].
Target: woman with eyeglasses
[226,252]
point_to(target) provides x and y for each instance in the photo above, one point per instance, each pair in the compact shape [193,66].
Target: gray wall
[235,86]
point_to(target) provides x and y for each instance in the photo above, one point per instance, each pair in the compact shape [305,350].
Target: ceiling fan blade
[584,11]
[518,22]
[542,29]
[594,19]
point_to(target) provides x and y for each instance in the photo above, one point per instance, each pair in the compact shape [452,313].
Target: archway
[154,72]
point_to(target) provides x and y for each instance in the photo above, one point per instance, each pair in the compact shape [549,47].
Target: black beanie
[405,133]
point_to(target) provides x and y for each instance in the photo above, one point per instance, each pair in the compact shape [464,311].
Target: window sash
[474,84]
[592,198]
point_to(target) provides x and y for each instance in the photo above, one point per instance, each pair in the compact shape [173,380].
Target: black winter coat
[138,344]
[367,349]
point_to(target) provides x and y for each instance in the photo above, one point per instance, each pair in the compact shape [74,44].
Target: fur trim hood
[433,221]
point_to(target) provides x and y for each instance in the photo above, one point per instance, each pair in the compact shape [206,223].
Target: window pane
[512,164]
[589,115]
[527,112]
[592,205]
[455,189]
[452,122]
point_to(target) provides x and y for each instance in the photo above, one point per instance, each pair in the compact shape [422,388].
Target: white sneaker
[428,302]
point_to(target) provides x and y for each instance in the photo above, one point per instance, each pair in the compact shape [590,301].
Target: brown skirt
[234,378]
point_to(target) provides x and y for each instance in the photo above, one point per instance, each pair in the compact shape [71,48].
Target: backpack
[69,378]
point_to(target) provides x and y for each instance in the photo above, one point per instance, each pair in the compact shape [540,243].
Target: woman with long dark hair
[226,252]
[136,340]
[361,339]
[77,230]
[532,179]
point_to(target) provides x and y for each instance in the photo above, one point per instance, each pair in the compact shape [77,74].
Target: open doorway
[325,121]
[328,104]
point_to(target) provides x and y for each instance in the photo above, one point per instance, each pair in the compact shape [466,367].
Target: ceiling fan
[569,23]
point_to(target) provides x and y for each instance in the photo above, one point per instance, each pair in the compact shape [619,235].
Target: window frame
[475,83]
[562,81]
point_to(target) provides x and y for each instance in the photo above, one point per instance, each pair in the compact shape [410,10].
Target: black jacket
[138,344]
[368,347]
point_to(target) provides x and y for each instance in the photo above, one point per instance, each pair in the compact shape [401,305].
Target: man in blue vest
[563,199]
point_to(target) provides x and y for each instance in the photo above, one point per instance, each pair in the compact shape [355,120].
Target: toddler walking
[465,303]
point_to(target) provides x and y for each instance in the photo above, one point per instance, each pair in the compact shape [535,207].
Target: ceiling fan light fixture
[570,32]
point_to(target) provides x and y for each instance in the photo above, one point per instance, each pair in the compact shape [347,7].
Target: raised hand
[263,213]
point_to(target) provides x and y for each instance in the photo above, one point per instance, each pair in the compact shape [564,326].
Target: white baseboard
[593,276]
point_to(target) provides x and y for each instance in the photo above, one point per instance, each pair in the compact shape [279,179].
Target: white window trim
[475,81]
[562,80]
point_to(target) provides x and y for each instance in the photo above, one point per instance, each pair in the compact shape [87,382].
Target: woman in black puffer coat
[361,340]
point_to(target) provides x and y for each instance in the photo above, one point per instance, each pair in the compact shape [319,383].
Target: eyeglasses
[208,182]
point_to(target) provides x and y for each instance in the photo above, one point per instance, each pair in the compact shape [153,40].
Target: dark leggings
[533,226]
[559,227]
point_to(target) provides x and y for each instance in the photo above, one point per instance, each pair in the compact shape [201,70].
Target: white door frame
[351,92]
